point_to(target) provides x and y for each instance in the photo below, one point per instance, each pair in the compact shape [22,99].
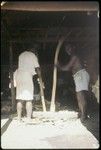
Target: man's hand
[58,65]
[40,83]
[43,85]
[38,71]
[10,85]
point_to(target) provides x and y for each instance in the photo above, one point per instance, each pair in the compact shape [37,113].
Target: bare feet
[29,121]
[83,118]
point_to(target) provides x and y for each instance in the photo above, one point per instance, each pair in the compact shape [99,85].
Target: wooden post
[52,107]
[11,79]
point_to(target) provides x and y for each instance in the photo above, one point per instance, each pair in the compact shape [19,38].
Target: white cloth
[28,62]
[81,79]
[23,76]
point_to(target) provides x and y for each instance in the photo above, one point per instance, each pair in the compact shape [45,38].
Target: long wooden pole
[42,95]
[52,106]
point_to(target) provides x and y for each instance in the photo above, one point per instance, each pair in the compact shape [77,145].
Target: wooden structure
[46,22]
[51,6]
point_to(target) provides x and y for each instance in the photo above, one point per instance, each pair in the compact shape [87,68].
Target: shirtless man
[81,80]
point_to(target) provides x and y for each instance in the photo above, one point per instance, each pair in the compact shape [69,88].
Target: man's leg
[29,109]
[19,109]
[24,109]
[82,103]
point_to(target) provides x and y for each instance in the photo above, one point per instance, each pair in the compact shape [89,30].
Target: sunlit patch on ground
[61,116]
[60,129]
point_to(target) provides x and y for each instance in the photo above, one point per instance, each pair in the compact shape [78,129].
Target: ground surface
[61,129]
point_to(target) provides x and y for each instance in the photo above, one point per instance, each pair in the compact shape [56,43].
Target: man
[81,80]
[28,66]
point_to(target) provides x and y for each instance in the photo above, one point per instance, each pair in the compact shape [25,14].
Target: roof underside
[28,22]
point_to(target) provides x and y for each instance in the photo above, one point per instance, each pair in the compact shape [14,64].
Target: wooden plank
[53,40]
[5,126]
[51,6]
[6,122]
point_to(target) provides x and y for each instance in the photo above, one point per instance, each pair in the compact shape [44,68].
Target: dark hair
[33,48]
[68,45]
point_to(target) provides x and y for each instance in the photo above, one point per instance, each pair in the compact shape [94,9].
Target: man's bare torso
[76,65]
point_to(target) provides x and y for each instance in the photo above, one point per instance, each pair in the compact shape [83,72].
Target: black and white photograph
[50,75]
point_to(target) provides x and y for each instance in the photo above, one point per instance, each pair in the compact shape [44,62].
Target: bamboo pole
[52,107]
[42,95]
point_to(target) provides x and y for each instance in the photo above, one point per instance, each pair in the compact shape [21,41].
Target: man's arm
[38,71]
[14,79]
[69,65]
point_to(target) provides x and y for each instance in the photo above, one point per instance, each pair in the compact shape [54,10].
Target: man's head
[33,49]
[69,49]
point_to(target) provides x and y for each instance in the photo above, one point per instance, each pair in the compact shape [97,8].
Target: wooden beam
[53,40]
[92,32]
[5,126]
[53,30]
[52,6]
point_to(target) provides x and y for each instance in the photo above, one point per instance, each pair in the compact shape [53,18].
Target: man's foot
[83,118]
[29,121]
[79,115]
[19,121]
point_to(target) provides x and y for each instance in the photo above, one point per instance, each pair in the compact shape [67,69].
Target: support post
[11,79]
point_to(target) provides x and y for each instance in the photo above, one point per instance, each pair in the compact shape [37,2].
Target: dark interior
[43,29]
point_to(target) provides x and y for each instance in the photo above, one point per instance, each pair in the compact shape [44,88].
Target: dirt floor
[61,129]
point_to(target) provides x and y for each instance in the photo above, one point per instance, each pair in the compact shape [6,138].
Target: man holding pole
[81,80]
[28,66]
